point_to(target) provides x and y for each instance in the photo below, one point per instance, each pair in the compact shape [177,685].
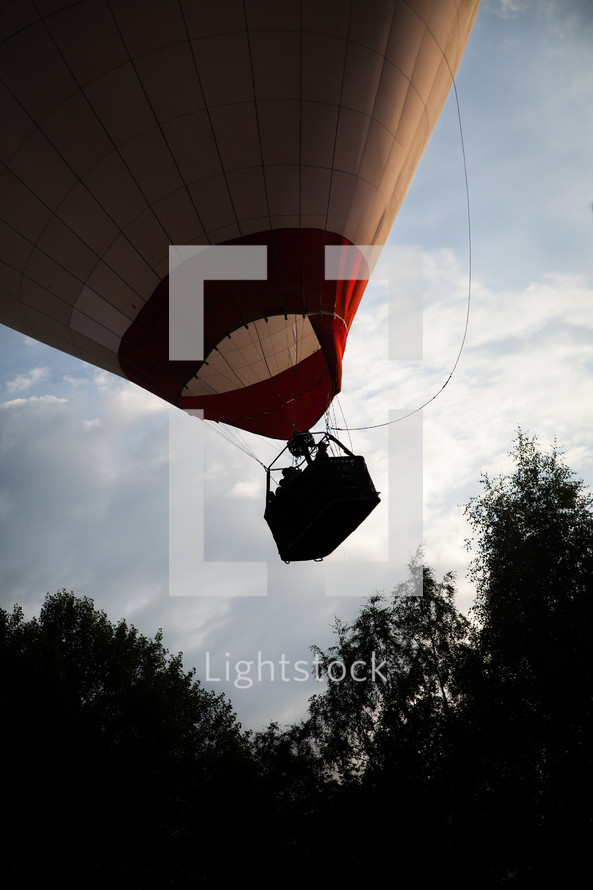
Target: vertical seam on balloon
[387,212]
[213,131]
[263,167]
[233,371]
[157,123]
[222,167]
[372,115]
[331,177]
[339,108]
[301,233]
[81,183]
[162,132]
[54,214]
[247,32]
[261,348]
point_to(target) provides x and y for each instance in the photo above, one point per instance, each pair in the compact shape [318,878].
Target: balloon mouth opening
[257,351]
[273,347]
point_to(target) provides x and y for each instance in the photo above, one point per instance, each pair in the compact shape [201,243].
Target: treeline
[466,756]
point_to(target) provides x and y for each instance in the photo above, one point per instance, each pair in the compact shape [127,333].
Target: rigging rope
[469,290]
[234,437]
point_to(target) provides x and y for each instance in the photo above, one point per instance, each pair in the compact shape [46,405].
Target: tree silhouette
[528,678]
[478,745]
[442,749]
[384,733]
[389,676]
[121,766]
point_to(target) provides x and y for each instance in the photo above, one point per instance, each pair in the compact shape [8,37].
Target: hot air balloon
[133,126]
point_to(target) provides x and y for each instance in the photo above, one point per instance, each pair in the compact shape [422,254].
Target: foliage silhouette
[443,749]
[479,744]
[528,680]
[398,659]
[118,758]
[384,736]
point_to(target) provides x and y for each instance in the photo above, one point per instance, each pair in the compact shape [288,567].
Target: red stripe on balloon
[296,284]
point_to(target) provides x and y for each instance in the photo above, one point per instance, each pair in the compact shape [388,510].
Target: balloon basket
[320,505]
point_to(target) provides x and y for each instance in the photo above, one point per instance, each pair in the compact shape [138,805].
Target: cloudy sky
[87,501]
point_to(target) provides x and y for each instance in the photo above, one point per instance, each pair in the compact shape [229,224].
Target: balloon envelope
[134,126]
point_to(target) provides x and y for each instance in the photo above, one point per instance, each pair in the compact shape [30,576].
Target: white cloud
[84,498]
[247,489]
[527,361]
[26,381]
[509,8]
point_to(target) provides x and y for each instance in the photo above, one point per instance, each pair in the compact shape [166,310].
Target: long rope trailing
[469,291]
